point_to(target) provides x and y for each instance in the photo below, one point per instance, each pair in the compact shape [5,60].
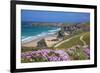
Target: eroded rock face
[42,44]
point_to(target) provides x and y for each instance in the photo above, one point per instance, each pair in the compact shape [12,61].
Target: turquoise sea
[29,32]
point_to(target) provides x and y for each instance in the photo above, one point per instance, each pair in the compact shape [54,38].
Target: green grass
[78,32]
[75,41]
[72,42]
[87,24]
[82,55]
[87,38]
[26,49]
[78,54]
[33,60]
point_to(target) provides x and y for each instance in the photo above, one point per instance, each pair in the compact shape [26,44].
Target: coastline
[33,41]
[50,39]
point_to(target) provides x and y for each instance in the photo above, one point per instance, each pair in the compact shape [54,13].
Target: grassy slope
[75,41]
[87,38]
[71,43]
[78,54]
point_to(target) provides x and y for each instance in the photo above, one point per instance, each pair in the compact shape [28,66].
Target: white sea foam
[41,35]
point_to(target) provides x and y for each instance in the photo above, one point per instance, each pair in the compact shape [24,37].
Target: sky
[52,16]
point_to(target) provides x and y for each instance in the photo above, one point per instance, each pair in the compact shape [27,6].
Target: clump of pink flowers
[87,51]
[45,55]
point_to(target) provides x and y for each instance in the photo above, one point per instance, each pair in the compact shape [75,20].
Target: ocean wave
[41,35]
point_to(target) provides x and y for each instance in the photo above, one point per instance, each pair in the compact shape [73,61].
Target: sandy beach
[50,41]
